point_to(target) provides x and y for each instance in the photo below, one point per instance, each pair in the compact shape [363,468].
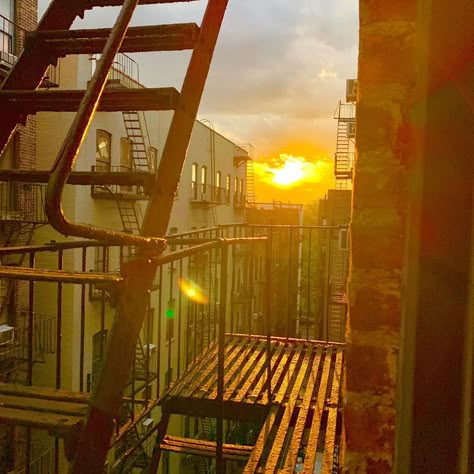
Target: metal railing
[41,457]
[22,202]
[232,279]
[12,43]
[113,191]
[206,193]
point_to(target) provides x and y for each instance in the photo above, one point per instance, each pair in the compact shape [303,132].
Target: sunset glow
[289,171]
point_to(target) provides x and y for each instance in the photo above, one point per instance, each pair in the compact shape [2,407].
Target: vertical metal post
[83,321]
[168,327]
[268,302]
[220,463]
[138,274]
[232,290]
[308,288]
[159,318]
[180,300]
[327,295]
[31,296]
[59,322]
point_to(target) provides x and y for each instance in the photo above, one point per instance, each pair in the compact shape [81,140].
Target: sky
[278,72]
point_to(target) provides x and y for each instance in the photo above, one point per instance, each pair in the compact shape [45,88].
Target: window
[218,186]
[173,230]
[125,154]
[227,189]
[101,265]
[203,181]
[194,181]
[344,239]
[241,192]
[236,190]
[103,150]
[101,259]
[153,157]
[6,27]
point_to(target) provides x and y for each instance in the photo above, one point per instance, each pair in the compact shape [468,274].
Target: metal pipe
[31,297]
[83,321]
[70,149]
[267,313]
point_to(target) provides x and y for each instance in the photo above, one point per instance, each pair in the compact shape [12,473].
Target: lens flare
[192,291]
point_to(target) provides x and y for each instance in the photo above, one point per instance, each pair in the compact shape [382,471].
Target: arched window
[194,181]
[227,189]
[218,186]
[204,180]
[103,150]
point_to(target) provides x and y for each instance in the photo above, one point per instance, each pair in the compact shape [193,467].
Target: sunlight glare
[192,291]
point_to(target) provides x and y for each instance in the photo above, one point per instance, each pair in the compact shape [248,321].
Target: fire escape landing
[304,400]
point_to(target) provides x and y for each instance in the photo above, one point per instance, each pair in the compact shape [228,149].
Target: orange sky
[290,178]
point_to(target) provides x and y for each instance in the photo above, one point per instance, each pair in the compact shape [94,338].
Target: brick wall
[26,17]
[386,80]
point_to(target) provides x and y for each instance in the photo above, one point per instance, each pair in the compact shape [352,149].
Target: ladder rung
[174,37]
[112,100]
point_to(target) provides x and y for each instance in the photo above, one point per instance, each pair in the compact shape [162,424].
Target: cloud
[277,73]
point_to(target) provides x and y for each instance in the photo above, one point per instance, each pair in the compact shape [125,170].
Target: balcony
[132,192]
[12,41]
[263,357]
[206,194]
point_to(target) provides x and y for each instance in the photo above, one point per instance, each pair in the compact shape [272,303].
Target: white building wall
[79,206]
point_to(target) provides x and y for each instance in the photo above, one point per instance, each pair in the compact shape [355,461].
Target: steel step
[112,100]
[174,37]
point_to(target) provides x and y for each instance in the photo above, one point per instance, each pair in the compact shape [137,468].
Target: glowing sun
[290,173]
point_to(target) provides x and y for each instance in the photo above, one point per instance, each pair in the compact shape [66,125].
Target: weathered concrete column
[386,80]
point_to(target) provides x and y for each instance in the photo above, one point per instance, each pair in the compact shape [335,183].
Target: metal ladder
[19,97]
[134,128]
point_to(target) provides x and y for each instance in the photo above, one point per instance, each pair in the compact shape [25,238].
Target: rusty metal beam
[33,63]
[57,276]
[83,178]
[301,422]
[134,297]
[267,428]
[314,433]
[112,100]
[197,447]
[174,152]
[138,39]
[333,406]
[283,428]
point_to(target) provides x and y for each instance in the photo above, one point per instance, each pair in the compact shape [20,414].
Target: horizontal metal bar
[82,178]
[112,100]
[37,274]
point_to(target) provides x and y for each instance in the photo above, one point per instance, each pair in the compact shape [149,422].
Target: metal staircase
[19,97]
[130,215]
[343,165]
[139,148]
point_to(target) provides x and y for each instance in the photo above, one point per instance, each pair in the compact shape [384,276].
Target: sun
[289,174]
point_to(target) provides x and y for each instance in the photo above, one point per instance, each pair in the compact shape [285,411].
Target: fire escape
[261,402]
[338,245]
[20,97]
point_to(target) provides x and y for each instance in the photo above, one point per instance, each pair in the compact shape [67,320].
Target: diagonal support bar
[106,399]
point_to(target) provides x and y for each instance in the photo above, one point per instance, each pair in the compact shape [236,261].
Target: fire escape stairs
[19,98]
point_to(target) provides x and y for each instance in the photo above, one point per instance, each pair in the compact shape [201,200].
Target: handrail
[62,168]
